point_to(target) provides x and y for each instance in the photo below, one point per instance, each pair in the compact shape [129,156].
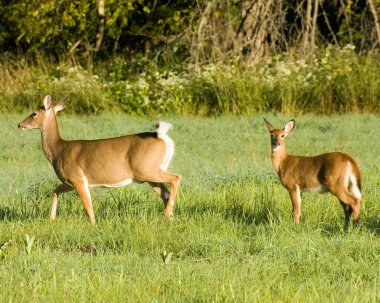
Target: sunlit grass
[232,239]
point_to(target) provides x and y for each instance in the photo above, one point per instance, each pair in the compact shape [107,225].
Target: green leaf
[29,243]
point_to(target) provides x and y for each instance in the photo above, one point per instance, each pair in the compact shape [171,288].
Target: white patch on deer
[350,181]
[171,202]
[299,197]
[118,184]
[86,187]
[353,182]
[163,128]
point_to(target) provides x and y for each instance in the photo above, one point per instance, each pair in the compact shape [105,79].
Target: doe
[112,162]
[333,172]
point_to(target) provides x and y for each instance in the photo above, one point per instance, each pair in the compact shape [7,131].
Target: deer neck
[279,157]
[51,140]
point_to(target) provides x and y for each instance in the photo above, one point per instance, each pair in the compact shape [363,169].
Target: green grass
[232,239]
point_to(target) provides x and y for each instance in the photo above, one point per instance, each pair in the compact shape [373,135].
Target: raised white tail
[162,129]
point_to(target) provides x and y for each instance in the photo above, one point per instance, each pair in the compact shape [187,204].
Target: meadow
[232,239]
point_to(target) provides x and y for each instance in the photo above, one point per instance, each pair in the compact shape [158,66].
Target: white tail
[331,172]
[162,129]
[113,162]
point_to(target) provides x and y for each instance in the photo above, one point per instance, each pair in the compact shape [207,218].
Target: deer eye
[282,136]
[33,115]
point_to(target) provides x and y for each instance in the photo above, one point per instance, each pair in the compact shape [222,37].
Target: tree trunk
[308,27]
[376,19]
[314,29]
[102,22]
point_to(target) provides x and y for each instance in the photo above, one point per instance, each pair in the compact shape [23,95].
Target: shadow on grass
[258,215]
[24,214]
[373,224]
[234,211]
[7,213]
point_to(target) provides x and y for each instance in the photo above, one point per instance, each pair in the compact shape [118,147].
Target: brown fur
[326,172]
[80,164]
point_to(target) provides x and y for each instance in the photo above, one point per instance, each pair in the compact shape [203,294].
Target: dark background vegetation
[118,40]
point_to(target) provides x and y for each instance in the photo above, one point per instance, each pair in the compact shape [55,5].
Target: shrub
[336,80]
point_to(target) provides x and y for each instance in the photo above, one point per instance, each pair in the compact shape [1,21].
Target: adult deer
[331,172]
[112,162]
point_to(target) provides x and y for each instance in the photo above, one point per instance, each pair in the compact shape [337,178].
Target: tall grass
[338,80]
[232,239]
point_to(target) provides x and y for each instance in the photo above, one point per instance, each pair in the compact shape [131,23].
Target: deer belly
[316,189]
[114,184]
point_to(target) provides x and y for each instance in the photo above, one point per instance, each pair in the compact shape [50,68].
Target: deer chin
[276,148]
[23,127]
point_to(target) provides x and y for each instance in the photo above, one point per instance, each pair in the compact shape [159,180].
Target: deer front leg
[62,188]
[295,196]
[84,194]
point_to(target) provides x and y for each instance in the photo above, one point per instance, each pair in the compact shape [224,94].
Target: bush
[337,80]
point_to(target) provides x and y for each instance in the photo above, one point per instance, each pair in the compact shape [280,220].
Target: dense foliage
[59,27]
[193,56]
[199,29]
[336,81]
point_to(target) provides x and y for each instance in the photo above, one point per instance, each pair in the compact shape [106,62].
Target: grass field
[232,239]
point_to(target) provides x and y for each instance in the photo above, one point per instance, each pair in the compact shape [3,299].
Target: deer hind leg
[161,190]
[62,188]
[174,180]
[295,196]
[84,194]
[347,213]
[349,200]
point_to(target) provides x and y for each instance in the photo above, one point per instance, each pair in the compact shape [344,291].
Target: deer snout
[274,143]
[22,126]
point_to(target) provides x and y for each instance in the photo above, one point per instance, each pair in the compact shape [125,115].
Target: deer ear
[289,126]
[61,104]
[47,102]
[269,125]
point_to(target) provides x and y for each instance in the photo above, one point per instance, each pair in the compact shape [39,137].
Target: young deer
[331,172]
[113,162]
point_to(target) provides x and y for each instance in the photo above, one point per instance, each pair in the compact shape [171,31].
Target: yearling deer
[112,162]
[331,172]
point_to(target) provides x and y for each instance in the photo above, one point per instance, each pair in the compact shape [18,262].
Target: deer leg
[84,194]
[295,196]
[174,181]
[161,190]
[62,188]
[347,213]
[348,199]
